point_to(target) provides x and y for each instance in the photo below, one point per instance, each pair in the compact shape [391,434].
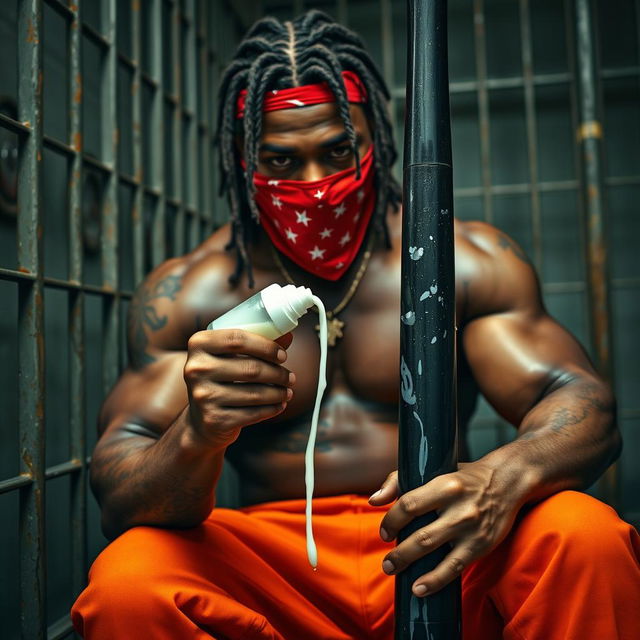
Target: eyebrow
[337,139]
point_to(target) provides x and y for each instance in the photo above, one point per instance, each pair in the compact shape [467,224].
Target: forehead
[311,121]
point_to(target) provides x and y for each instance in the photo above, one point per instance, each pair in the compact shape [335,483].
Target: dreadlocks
[274,55]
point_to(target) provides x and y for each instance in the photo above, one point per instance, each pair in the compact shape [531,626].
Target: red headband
[306,95]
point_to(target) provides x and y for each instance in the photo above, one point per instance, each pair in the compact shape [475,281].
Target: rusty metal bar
[190,99]
[205,169]
[17,482]
[590,148]
[386,36]
[30,328]
[71,467]
[138,169]
[532,143]
[77,409]
[13,125]
[214,33]
[483,106]
[109,239]
[178,155]
[156,143]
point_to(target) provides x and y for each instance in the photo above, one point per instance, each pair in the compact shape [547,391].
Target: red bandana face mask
[318,224]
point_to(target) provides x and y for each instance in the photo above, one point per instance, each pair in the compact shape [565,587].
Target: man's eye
[340,153]
[279,162]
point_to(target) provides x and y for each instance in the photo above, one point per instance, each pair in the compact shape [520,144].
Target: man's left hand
[475,513]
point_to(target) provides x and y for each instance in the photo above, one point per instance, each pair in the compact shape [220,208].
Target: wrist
[514,474]
[193,442]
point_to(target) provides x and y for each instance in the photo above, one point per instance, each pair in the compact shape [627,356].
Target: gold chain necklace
[334,324]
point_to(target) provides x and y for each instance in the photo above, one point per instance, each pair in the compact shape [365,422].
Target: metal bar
[61,9]
[55,283]
[532,144]
[427,416]
[386,34]
[621,181]
[57,145]
[77,409]
[31,325]
[11,484]
[16,276]
[214,29]
[483,106]
[190,100]
[105,169]
[620,72]
[178,154]
[205,170]
[109,239]
[130,63]
[96,37]
[517,82]
[589,140]
[515,189]
[157,136]
[13,125]
[60,629]
[137,223]
[70,467]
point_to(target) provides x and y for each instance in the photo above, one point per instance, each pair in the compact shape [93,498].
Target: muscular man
[306,153]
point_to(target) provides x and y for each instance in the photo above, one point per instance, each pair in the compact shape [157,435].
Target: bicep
[516,356]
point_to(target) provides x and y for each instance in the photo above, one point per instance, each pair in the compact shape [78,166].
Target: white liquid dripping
[309,474]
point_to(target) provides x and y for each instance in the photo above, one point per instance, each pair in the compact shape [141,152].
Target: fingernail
[289,394]
[292,377]
[282,355]
[375,495]
[420,590]
[384,534]
[388,567]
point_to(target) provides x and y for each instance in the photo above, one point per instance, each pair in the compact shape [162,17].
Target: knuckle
[409,504]
[192,369]
[471,514]
[253,397]
[424,539]
[251,369]
[199,394]
[195,341]
[235,339]
[482,541]
[454,486]
[455,565]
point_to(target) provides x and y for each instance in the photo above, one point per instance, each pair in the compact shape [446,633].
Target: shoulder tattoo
[507,244]
[143,317]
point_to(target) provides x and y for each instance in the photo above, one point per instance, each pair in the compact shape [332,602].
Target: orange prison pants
[568,570]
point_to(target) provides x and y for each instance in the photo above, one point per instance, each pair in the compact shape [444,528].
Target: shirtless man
[191,399]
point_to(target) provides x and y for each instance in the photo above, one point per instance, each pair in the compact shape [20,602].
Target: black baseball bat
[428,430]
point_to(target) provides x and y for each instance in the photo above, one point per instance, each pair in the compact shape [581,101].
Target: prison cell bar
[427,424]
[30,331]
[589,140]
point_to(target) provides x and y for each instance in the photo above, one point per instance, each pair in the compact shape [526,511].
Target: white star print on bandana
[319,224]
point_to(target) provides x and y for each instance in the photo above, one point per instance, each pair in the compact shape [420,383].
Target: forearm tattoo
[143,318]
[587,401]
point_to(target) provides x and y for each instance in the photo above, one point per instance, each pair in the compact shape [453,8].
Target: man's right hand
[235,378]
